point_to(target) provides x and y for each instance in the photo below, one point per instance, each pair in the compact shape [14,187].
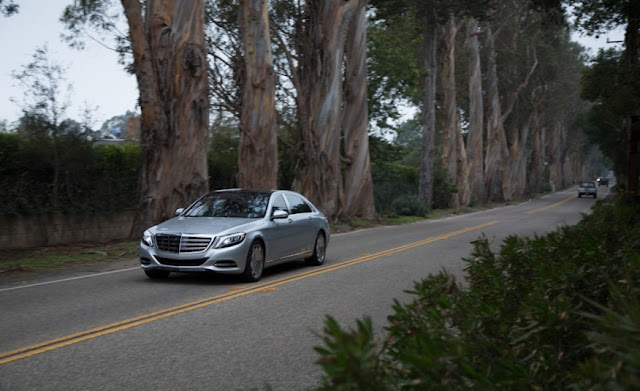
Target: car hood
[203,225]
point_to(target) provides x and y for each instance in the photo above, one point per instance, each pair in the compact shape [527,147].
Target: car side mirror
[279,214]
[179,211]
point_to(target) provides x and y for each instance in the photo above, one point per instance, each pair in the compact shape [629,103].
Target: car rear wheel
[157,273]
[319,251]
[255,263]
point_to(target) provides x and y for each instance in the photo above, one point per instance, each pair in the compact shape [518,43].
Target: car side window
[298,205]
[279,204]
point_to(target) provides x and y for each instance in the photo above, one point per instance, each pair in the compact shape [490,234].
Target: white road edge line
[68,279]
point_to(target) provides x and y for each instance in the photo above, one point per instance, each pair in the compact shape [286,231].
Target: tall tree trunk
[535,180]
[475,142]
[496,160]
[171,70]
[555,147]
[518,160]
[358,183]
[425,189]
[319,173]
[258,148]
[462,173]
[631,51]
[450,116]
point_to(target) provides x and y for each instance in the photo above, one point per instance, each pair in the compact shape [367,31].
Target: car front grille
[181,262]
[182,244]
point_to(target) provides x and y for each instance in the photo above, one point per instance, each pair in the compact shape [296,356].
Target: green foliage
[223,158]
[391,181]
[443,187]
[606,84]
[89,179]
[408,205]
[9,7]
[395,168]
[350,358]
[554,312]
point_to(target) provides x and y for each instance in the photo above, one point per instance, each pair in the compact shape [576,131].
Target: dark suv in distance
[603,181]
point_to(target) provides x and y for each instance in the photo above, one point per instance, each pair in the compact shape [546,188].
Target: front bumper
[230,260]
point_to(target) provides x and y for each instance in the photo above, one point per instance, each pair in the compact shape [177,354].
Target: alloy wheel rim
[257,258]
[320,248]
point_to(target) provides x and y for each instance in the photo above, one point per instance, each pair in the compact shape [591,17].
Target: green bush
[408,205]
[390,181]
[555,312]
[66,175]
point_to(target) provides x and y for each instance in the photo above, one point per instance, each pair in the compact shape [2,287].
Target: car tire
[157,273]
[319,251]
[579,195]
[254,266]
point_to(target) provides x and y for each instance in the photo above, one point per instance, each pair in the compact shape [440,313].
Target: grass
[66,256]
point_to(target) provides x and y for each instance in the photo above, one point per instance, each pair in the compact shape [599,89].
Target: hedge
[547,313]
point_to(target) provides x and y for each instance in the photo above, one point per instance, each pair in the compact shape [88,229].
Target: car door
[279,232]
[301,215]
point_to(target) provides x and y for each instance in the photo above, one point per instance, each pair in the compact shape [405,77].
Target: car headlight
[147,238]
[230,240]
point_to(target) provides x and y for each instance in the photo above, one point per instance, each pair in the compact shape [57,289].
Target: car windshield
[587,184]
[242,204]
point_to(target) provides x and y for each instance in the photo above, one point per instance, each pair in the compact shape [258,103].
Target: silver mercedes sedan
[236,231]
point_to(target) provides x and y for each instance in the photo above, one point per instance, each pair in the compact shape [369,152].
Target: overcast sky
[97,78]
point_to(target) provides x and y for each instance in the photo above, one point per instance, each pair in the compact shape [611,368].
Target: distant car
[236,231]
[587,188]
[603,181]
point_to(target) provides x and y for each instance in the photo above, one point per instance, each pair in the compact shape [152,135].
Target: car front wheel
[319,251]
[255,263]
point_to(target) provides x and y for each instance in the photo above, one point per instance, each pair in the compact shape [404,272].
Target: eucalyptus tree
[424,17]
[166,43]
[475,133]
[9,7]
[358,182]
[320,59]
[258,149]
[593,17]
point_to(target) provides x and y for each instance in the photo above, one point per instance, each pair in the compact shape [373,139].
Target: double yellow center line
[235,292]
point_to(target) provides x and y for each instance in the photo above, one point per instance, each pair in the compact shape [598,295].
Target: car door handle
[290,221]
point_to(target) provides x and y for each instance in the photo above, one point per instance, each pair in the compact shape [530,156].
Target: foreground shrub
[553,312]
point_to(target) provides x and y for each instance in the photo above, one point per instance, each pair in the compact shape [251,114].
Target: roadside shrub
[66,175]
[391,181]
[554,312]
[408,205]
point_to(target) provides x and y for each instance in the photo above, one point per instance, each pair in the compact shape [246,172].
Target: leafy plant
[554,312]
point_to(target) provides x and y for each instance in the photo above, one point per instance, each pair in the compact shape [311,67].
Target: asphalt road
[108,327]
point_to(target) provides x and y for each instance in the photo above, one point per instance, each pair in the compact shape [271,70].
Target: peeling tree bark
[518,160]
[497,154]
[535,179]
[319,171]
[171,70]
[358,183]
[453,150]
[475,142]
[425,189]
[258,148]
